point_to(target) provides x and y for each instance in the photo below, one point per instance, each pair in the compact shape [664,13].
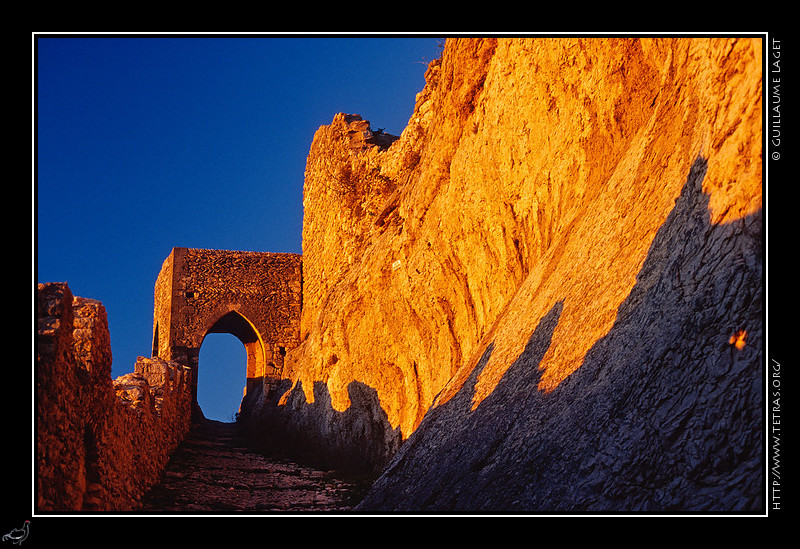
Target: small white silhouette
[18,535]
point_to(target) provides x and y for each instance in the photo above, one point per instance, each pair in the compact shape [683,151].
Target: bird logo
[18,535]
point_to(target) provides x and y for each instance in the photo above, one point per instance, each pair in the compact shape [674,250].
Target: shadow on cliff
[358,440]
[664,415]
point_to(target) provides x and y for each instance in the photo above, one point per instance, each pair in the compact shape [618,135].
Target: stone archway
[254,296]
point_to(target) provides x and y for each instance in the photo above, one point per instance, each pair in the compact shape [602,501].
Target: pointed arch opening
[221,374]
[235,324]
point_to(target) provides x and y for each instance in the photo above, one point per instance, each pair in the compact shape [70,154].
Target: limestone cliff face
[553,276]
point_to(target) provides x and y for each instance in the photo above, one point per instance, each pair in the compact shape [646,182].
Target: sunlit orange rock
[738,339]
[540,181]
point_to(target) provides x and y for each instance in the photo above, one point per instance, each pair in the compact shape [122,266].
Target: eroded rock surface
[542,277]
[664,414]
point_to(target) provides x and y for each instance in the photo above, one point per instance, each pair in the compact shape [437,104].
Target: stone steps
[213,471]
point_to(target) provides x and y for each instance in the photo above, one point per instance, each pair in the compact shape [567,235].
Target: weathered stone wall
[206,284]
[100,444]
[255,296]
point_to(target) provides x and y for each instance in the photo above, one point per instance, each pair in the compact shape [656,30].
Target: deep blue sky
[145,143]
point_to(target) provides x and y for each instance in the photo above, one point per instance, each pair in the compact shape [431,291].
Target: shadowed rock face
[550,284]
[663,415]
[357,440]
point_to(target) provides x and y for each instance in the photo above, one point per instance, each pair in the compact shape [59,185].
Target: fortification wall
[255,296]
[198,286]
[100,444]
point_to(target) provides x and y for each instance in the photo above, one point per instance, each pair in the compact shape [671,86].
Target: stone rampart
[100,444]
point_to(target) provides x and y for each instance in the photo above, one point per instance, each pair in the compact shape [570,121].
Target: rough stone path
[213,471]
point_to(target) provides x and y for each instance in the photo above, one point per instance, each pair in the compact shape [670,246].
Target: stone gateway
[253,296]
